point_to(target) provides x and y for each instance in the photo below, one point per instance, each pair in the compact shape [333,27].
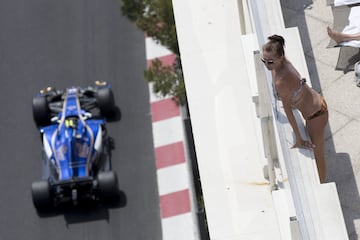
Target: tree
[156,18]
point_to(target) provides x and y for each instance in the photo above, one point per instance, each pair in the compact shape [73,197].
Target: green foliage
[156,18]
[133,9]
[167,80]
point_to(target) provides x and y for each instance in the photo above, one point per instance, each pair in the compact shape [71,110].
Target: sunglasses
[267,61]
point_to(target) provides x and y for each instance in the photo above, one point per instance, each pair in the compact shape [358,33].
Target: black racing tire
[108,186]
[106,102]
[41,111]
[41,195]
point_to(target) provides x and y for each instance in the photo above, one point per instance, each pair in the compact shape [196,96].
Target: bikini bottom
[322,110]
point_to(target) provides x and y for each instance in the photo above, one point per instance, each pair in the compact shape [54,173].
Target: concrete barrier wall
[225,127]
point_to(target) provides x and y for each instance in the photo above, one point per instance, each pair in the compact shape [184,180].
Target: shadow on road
[87,211]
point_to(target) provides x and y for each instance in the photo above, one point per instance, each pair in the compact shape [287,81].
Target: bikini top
[298,90]
[295,93]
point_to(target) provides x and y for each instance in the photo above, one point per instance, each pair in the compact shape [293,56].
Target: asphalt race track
[73,43]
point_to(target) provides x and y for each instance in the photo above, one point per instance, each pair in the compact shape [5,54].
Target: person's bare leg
[320,158]
[342,37]
[316,130]
[337,36]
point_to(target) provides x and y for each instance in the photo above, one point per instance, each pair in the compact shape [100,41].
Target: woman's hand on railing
[303,144]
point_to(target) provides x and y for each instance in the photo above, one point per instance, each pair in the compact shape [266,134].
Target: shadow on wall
[340,171]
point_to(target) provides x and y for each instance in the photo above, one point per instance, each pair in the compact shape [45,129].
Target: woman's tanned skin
[287,80]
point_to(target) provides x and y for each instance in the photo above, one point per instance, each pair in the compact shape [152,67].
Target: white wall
[228,147]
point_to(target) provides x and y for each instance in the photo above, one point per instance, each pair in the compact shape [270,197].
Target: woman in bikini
[295,93]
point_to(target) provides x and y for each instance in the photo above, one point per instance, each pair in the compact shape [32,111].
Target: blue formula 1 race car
[76,147]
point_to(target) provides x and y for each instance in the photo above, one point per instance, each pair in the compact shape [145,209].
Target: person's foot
[334,35]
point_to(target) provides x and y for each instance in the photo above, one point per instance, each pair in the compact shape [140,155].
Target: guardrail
[265,113]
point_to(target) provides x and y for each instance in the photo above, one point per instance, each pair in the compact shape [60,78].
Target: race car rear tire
[108,186]
[41,195]
[105,99]
[41,111]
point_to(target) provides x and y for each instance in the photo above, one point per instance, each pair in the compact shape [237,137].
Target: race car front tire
[41,111]
[105,100]
[41,195]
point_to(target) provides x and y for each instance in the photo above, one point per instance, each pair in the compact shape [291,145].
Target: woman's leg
[316,130]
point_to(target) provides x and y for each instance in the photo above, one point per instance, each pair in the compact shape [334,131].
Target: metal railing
[264,112]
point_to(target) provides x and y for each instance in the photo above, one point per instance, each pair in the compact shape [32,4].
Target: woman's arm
[285,95]
[291,118]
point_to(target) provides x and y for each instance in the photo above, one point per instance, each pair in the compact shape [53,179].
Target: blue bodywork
[76,147]
[74,142]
